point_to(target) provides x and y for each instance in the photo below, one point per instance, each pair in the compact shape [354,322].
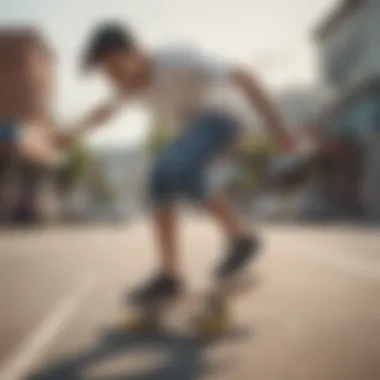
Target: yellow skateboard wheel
[140,323]
[213,325]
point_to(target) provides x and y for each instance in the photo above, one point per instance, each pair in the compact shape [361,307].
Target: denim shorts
[181,169]
[9,132]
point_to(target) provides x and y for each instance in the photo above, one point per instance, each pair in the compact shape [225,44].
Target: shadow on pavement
[185,357]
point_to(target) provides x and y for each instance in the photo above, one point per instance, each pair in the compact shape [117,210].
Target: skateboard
[206,313]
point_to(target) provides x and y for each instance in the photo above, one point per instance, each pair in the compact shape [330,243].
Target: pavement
[314,314]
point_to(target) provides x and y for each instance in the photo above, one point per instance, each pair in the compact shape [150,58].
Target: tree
[99,185]
[159,138]
[75,169]
[255,155]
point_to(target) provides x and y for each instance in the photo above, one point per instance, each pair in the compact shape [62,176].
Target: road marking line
[18,366]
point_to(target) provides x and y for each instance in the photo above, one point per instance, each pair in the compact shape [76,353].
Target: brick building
[26,95]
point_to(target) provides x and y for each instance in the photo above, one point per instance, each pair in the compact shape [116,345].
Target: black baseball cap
[106,39]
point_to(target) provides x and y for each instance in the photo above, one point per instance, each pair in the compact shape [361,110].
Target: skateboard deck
[207,312]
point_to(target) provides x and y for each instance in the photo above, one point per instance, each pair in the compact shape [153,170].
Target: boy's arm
[260,100]
[94,119]
[98,116]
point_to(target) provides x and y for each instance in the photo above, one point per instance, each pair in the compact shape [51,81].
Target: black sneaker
[158,289]
[241,252]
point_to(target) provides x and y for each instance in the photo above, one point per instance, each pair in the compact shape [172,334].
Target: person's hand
[65,140]
[286,144]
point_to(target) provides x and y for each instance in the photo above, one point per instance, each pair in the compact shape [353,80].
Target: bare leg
[243,244]
[165,221]
[167,282]
[219,207]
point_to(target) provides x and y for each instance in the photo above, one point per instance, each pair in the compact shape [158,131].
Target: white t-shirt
[186,82]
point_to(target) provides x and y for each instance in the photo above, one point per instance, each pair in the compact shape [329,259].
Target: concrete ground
[315,314]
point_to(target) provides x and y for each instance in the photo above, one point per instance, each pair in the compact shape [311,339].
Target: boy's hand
[286,144]
[65,140]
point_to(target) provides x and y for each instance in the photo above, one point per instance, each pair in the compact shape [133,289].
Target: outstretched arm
[94,119]
[97,117]
[262,103]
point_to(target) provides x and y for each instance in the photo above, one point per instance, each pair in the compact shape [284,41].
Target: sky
[273,37]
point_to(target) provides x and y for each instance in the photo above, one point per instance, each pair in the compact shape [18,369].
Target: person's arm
[94,119]
[262,103]
[98,116]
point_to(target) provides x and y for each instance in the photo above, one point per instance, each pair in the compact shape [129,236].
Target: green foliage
[159,138]
[99,186]
[256,152]
[75,169]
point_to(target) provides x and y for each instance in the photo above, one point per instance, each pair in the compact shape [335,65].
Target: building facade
[27,88]
[349,62]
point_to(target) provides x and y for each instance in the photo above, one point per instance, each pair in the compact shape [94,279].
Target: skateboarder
[210,102]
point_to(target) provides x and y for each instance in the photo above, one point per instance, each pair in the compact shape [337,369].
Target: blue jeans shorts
[181,170]
[9,132]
